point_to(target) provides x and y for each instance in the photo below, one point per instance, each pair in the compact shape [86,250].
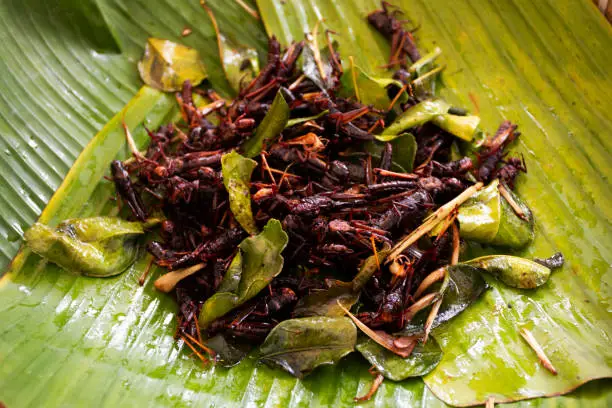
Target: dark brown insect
[125,188]
[402,41]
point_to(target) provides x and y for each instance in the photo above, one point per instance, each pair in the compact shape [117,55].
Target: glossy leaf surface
[96,246]
[488,218]
[325,302]
[237,171]
[253,267]
[298,346]
[513,271]
[270,127]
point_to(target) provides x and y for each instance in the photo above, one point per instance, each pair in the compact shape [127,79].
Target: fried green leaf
[513,271]
[514,231]
[436,111]
[270,127]
[423,359]
[237,171]
[464,127]
[404,152]
[465,286]
[258,261]
[228,353]
[416,115]
[488,218]
[312,70]
[97,246]
[297,121]
[367,89]
[166,65]
[325,302]
[298,346]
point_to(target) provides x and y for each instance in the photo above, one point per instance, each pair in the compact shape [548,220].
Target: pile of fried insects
[302,221]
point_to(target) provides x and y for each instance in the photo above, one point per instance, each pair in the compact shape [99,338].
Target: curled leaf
[424,358]
[254,266]
[464,127]
[416,115]
[488,218]
[298,346]
[436,110]
[166,65]
[97,246]
[236,171]
[270,127]
[513,271]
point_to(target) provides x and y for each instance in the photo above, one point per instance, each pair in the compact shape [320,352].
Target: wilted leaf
[97,246]
[166,65]
[513,271]
[270,127]
[464,127]
[254,266]
[423,359]
[237,171]
[298,346]
[325,302]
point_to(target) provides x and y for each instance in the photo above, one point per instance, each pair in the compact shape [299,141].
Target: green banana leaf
[68,67]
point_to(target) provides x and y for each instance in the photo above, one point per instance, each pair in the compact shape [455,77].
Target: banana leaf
[67,67]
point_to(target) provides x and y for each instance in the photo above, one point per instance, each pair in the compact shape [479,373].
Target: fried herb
[298,346]
[254,266]
[513,271]
[166,65]
[236,172]
[97,246]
